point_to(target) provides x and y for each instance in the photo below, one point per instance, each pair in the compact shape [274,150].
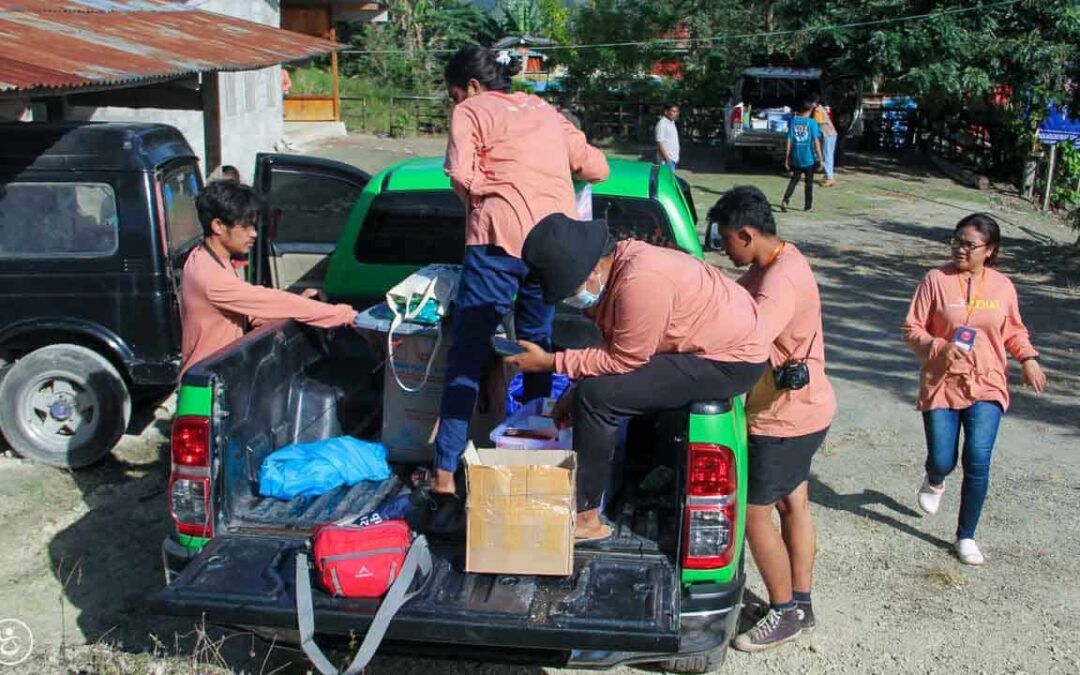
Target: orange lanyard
[970,300]
[774,255]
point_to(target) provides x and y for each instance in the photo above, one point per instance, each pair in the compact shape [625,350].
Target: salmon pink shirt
[510,158]
[789,320]
[940,306]
[217,302]
[663,301]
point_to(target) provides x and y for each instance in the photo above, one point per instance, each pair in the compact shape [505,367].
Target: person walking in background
[963,321]
[789,412]
[802,154]
[667,136]
[511,158]
[828,141]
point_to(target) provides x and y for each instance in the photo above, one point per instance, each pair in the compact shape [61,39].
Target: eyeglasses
[969,246]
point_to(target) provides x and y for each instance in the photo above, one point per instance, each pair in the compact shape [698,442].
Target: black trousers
[796,174]
[666,382]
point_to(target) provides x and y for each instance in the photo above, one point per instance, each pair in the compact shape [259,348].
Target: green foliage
[1066,188]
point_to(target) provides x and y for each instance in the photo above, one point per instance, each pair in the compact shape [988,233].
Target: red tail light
[709,519]
[736,117]
[189,482]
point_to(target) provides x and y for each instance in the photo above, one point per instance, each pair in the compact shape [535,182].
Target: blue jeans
[670,164]
[828,151]
[492,283]
[980,424]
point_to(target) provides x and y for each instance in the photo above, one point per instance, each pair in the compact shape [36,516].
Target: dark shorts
[779,465]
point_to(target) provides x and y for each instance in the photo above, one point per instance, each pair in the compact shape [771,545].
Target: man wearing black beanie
[674,330]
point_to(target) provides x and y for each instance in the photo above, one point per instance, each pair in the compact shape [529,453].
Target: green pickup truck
[666,589]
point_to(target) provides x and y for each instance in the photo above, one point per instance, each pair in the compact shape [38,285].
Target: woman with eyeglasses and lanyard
[963,321]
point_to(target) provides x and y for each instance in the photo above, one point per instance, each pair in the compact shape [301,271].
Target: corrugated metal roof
[48,50]
[87,5]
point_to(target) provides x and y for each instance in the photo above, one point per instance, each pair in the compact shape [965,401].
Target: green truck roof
[627,179]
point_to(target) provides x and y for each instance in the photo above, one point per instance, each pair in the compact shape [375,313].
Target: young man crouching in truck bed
[675,330]
[217,302]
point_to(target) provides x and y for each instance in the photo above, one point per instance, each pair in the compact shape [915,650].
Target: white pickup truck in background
[761,106]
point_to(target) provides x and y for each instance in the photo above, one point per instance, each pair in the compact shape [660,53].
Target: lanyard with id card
[964,337]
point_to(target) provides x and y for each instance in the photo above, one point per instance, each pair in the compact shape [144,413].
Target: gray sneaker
[774,629]
[757,612]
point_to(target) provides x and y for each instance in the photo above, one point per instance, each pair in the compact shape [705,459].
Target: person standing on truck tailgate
[667,136]
[963,321]
[675,330]
[828,141]
[510,158]
[802,154]
[788,412]
[217,302]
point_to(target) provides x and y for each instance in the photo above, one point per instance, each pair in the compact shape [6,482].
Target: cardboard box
[520,511]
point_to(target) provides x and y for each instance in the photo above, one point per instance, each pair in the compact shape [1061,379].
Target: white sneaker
[968,552]
[930,497]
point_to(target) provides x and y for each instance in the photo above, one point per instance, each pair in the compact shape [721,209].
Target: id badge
[964,338]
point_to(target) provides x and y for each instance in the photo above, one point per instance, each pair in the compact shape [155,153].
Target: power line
[726,37]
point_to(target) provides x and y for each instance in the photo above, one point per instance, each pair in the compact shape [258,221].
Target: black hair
[985,225]
[230,202]
[229,168]
[743,206]
[668,105]
[473,62]
[808,104]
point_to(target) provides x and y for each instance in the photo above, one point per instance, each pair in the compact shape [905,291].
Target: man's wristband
[1029,358]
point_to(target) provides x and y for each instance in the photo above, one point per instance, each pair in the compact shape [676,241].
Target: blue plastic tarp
[312,469]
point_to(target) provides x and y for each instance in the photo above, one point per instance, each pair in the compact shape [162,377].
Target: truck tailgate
[618,602]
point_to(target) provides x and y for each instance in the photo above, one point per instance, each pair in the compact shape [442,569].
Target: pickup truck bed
[622,599]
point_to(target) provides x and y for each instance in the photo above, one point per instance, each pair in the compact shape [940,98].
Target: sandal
[606,533]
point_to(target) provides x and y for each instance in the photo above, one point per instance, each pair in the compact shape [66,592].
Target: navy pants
[492,284]
[980,424]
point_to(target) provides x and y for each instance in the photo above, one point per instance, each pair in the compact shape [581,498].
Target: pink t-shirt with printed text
[939,307]
[510,158]
[663,301]
[789,319]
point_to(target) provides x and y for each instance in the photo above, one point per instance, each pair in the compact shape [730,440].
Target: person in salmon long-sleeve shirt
[216,303]
[511,158]
[675,330]
[963,321]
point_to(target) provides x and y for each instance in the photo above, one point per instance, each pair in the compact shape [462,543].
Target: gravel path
[78,552]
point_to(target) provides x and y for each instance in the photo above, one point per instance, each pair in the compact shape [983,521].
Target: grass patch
[369,106]
[947,577]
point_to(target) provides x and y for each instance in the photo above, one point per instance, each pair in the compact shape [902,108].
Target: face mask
[584,299]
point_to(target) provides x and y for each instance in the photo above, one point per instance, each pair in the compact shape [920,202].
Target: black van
[95,221]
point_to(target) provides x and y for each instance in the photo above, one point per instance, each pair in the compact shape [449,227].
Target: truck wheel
[63,405]
[709,662]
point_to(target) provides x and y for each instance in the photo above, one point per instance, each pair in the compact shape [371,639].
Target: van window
[50,220]
[413,228]
[179,189]
[312,207]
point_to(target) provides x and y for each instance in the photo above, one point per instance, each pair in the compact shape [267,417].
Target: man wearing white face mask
[675,330]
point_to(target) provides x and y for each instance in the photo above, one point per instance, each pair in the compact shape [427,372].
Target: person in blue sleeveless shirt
[803,154]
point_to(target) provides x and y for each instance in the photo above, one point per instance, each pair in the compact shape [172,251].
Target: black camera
[792,375]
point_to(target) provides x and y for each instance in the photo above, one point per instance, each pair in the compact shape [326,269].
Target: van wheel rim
[59,412]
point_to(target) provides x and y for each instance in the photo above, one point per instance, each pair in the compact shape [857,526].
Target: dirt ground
[79,552]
